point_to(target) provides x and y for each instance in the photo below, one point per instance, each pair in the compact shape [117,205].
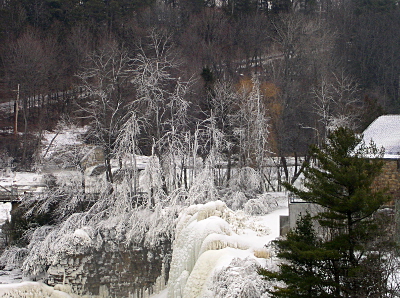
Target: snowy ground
[272,221]
[10,277]
[5,209]
[31,289]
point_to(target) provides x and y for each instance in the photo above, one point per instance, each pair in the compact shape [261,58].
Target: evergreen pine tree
[342,185]
[305,265]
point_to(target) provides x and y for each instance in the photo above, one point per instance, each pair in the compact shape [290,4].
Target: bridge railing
[8,195]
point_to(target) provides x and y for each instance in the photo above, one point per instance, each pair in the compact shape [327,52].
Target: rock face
[113,270]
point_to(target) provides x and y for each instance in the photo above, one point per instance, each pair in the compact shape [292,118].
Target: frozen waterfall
[208,238]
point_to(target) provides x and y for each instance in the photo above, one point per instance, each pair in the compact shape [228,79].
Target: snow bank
[208,238]
[31,290]
[67,135]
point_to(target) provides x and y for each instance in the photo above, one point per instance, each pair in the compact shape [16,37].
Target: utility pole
[16,113]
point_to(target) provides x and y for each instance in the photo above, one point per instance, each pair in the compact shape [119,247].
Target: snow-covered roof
[385,132]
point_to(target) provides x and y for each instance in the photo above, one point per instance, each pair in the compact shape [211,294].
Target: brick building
[384,132]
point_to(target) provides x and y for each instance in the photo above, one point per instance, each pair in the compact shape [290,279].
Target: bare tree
[105,79]
[336,103]
[323,101]
[346,101]
[154,79]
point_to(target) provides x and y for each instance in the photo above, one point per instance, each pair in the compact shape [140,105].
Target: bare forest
[247,79]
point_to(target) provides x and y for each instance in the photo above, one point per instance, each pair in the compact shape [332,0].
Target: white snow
[385,132]
[5,209]
[83,235]
[30,289]
[23,181]
[10,276]
[64,136]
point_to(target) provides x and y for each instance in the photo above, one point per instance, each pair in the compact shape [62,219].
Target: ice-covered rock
[208,237]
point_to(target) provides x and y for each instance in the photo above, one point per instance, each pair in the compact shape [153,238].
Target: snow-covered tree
[126,149]
[154,81]
[336,103]
[253,128]
[105,80]
[224,104]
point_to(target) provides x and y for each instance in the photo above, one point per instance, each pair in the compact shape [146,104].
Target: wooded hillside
[268,76]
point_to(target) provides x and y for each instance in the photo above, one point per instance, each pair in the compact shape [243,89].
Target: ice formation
[208,237]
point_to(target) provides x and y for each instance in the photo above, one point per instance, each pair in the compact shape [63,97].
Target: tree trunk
[229,167]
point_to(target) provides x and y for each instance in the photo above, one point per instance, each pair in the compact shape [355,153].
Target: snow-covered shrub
[238,280]
[152,176]
[163,225]
[112,219]
[257,206]
[63,197]
[50,244]
[13,257]
[49,180]
[264,204]
[235,200]
[245,179]
[203,188]
[151,181]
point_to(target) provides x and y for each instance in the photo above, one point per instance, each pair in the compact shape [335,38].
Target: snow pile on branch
[209,236]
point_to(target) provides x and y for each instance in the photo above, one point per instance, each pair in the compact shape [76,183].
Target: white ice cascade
[207,239]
